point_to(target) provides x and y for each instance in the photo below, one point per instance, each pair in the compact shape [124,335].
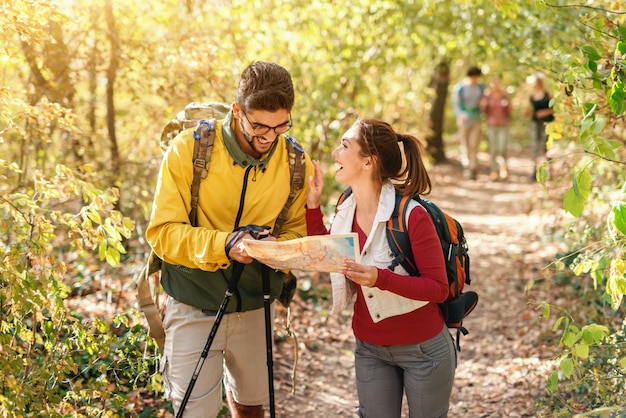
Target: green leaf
[591,53]
[553,381]
[584,127]
[622,363]
[575,198]
[582,184]
[619,217]
[598,125]
[581,350]
[569,338]
[594,333]
[567,367]
[572,204]
[616,99]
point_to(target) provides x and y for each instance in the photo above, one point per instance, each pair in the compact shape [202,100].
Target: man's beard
[249,139]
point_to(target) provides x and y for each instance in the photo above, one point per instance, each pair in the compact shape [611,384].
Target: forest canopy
[88,86]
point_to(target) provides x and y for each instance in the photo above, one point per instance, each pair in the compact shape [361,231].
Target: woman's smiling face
[348,159]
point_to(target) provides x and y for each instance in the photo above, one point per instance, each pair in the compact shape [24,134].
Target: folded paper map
[323,253]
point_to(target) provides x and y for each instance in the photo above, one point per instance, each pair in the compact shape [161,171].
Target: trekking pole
[232,285]
[268,337]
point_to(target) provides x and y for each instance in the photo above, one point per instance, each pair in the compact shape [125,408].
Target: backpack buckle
[199,163]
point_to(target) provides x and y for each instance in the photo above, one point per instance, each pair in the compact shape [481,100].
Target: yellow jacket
[196,268]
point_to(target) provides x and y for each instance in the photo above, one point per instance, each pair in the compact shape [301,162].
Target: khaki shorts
[237,353]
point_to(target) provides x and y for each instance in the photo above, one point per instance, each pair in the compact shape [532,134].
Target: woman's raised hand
[316,185]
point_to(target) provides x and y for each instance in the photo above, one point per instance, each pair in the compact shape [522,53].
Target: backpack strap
[146,300]
[204,136]
[297,169]
[397,233]
[343,196]
[398,237]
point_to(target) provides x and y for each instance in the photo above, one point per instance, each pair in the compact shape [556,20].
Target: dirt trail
[502,365]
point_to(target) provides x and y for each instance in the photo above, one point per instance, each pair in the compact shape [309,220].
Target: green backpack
[203,116]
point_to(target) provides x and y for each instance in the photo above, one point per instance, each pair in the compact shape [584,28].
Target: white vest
[376,252]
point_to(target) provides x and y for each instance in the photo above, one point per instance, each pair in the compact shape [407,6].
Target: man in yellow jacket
[248,183]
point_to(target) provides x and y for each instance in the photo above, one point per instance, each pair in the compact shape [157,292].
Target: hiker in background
[402,342]
[496,106]
[466,97]
[541,114]
[247,184]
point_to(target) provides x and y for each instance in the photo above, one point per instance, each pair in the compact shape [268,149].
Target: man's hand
[235,250]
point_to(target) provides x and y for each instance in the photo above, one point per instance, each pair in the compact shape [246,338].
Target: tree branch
[605,158]
[583,6]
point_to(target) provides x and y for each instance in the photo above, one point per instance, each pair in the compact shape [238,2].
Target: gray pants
[425,372]
[538,139]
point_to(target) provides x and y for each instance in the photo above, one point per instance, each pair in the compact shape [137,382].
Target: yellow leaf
[112,257]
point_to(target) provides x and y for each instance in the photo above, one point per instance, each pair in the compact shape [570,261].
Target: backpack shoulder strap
[398,237]
[146,300]
[438,216]
[297,170]
[343,196]
[204,137]
[450,232]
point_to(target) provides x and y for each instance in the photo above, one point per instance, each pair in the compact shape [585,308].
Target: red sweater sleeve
[315,222]
[432,286]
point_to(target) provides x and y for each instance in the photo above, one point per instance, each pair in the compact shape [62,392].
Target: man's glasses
[260,129]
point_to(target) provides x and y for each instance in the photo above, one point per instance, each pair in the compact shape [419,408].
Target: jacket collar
[234,149]
[386,203]
[345,214]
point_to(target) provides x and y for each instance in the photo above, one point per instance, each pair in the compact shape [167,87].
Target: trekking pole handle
[255,231]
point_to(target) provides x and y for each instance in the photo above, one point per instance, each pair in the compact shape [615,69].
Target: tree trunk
[439,83]
[114,61]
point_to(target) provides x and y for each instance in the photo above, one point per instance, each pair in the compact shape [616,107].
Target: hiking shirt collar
[386,204]
[236,152]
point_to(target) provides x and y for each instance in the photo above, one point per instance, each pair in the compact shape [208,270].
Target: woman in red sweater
[496,106]
[402,342]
